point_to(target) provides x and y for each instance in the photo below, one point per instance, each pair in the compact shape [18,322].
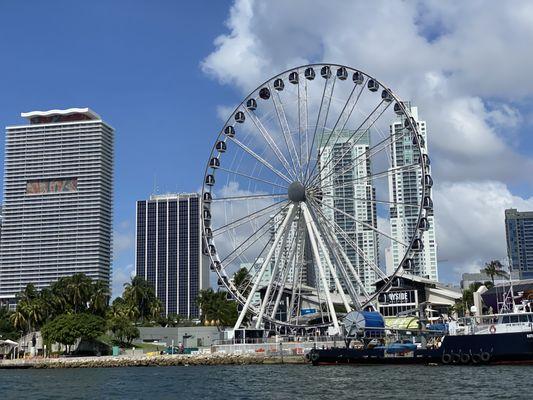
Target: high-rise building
[57,211]
[519,233]
[405,187]
[169,251]
[349,199]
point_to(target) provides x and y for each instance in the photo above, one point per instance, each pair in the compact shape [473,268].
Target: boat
[503,338]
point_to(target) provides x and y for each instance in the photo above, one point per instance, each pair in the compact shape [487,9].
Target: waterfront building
[405,187]
[57,211]
[519,234]
[347,190]
[168,251]
[415,296]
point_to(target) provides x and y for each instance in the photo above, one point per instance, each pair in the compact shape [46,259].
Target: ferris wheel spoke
[271,143]
[243,246]
[343,118]
[393,203]
[335,229]
[254,178]
[322,117]
[298,266]
[274,272]
[288,218]
[341,260]
[329,264]
[260,159]
[362,131]
[293,262]
[339,182]
[246,218]
[365,224]
[367,155]
[289,260]
[249,197]
[289,142]
[303,122]
[256,272]
[312,238]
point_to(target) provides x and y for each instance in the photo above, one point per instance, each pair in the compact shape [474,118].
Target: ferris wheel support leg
[354,296]
[285,228]
[312,239]
[283,282]
[331,268]
[296,276]
[277,238]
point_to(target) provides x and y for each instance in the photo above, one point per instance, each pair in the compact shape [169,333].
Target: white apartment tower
[343,167]
[405,187]
[57,211]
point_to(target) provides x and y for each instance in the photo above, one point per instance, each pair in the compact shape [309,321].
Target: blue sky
[135,64]
[159,71]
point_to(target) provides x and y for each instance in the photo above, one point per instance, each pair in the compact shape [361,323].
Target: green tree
[123,330]
[495,268]
[7,329]
[467,300]
[19,320]
[67,328]
[78,291]
[99,297]
[216,307]
[139,294]
[242,281]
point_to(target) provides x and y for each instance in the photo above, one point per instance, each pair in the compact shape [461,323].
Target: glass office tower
[169,251]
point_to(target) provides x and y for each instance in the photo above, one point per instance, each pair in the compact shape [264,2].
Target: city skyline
[148,90]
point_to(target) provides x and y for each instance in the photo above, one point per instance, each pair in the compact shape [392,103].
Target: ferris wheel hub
[296,192]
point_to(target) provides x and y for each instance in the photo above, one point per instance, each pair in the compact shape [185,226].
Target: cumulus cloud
[469,76]
[470,223]
[121,275]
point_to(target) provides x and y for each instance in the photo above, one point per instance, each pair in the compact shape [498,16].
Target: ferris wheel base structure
[292,191]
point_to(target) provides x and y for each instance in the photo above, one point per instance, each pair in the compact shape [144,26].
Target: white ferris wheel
[298,190]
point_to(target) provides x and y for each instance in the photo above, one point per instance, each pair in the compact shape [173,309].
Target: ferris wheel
[310,179]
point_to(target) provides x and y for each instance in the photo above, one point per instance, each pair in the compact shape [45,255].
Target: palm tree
[242,280]
[29,293]
[34,313]
[216,307]
[495,268]
[79,290]
[99,298]
[19,320]
[140,294]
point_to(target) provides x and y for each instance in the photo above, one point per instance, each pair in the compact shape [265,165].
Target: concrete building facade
[346,189]
[405,187]
[519,234]
[57,211]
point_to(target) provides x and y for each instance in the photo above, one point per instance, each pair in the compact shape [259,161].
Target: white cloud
[466,65]
[470,224]
[121,275]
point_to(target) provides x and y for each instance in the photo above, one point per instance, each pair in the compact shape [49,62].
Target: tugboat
[502,338]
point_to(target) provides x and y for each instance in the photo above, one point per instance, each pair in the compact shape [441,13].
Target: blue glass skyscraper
[168,251]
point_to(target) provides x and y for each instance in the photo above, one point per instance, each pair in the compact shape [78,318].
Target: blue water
[271,382]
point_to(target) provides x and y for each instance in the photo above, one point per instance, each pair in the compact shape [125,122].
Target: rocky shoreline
[149,361]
